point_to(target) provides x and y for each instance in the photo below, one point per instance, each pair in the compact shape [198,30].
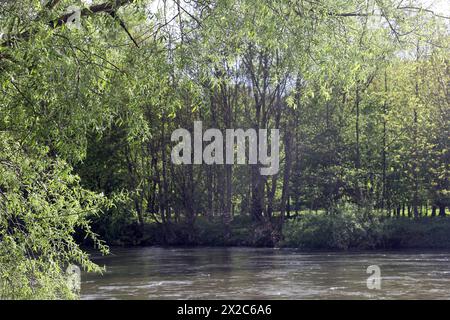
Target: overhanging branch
[106,7]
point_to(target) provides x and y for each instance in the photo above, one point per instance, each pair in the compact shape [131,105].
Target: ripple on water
[247,273]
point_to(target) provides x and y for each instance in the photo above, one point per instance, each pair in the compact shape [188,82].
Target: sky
[439,6]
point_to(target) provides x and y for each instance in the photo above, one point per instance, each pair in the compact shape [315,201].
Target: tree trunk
[358,152]
[433,210]
[383,201]
[442,210]
[286,174]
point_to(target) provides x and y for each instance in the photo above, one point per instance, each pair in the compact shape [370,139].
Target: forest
[91,92]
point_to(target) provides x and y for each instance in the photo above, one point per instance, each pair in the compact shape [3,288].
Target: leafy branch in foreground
[41,207]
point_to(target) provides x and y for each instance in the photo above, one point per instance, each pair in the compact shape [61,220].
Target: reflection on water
[249,273]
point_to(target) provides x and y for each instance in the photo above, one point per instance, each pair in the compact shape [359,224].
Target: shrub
[343,228]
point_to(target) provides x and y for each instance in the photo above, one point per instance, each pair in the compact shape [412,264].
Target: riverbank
[307,231]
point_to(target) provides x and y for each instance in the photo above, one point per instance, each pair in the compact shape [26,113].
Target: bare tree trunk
[433,210]
[227,214]
[441,210]
[164,212]
[287,171]
[384,155]
[415,157]
[358,152]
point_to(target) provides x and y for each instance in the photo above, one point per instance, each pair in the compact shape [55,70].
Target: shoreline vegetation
[308,231]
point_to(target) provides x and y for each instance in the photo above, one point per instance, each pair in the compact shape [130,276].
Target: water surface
[249,273]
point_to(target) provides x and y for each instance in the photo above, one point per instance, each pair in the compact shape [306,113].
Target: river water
[249,273]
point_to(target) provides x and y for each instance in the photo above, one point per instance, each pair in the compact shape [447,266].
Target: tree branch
[423,9]
[51,4]
[124,27]
[106,7]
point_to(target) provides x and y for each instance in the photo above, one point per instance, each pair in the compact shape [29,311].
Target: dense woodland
[359,90]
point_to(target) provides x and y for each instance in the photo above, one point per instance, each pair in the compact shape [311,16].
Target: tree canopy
[92,90]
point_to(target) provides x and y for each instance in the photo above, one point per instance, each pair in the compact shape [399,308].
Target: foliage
[41,207]
[344,229]
[358,89]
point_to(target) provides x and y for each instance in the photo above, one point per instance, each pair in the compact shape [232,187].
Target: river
[249,273]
